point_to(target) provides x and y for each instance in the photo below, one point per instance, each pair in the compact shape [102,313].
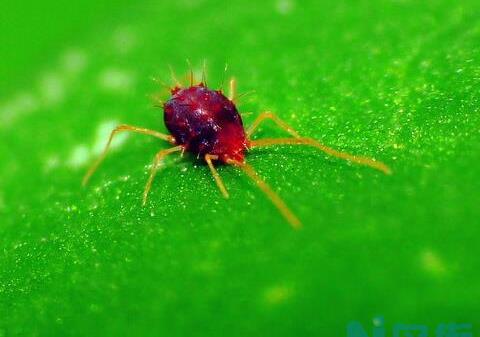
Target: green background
[396,80]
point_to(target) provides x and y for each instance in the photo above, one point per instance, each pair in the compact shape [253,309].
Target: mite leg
[233,90]
[332,152]
[270,115]
[216,176]
[276,200]
[156,163]
[115,131]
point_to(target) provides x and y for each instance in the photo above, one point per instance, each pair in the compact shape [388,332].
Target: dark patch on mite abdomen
[206,122]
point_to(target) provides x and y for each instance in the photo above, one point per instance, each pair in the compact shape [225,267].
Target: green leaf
[394,80]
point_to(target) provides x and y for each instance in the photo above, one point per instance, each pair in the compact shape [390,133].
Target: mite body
[207,124]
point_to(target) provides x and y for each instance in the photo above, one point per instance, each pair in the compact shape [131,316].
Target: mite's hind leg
[216,176]
[232,95]
[332,152]
[115,131]
[276,200]
[270,115]
[153,171]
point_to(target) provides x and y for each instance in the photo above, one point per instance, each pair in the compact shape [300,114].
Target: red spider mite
[207,124]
